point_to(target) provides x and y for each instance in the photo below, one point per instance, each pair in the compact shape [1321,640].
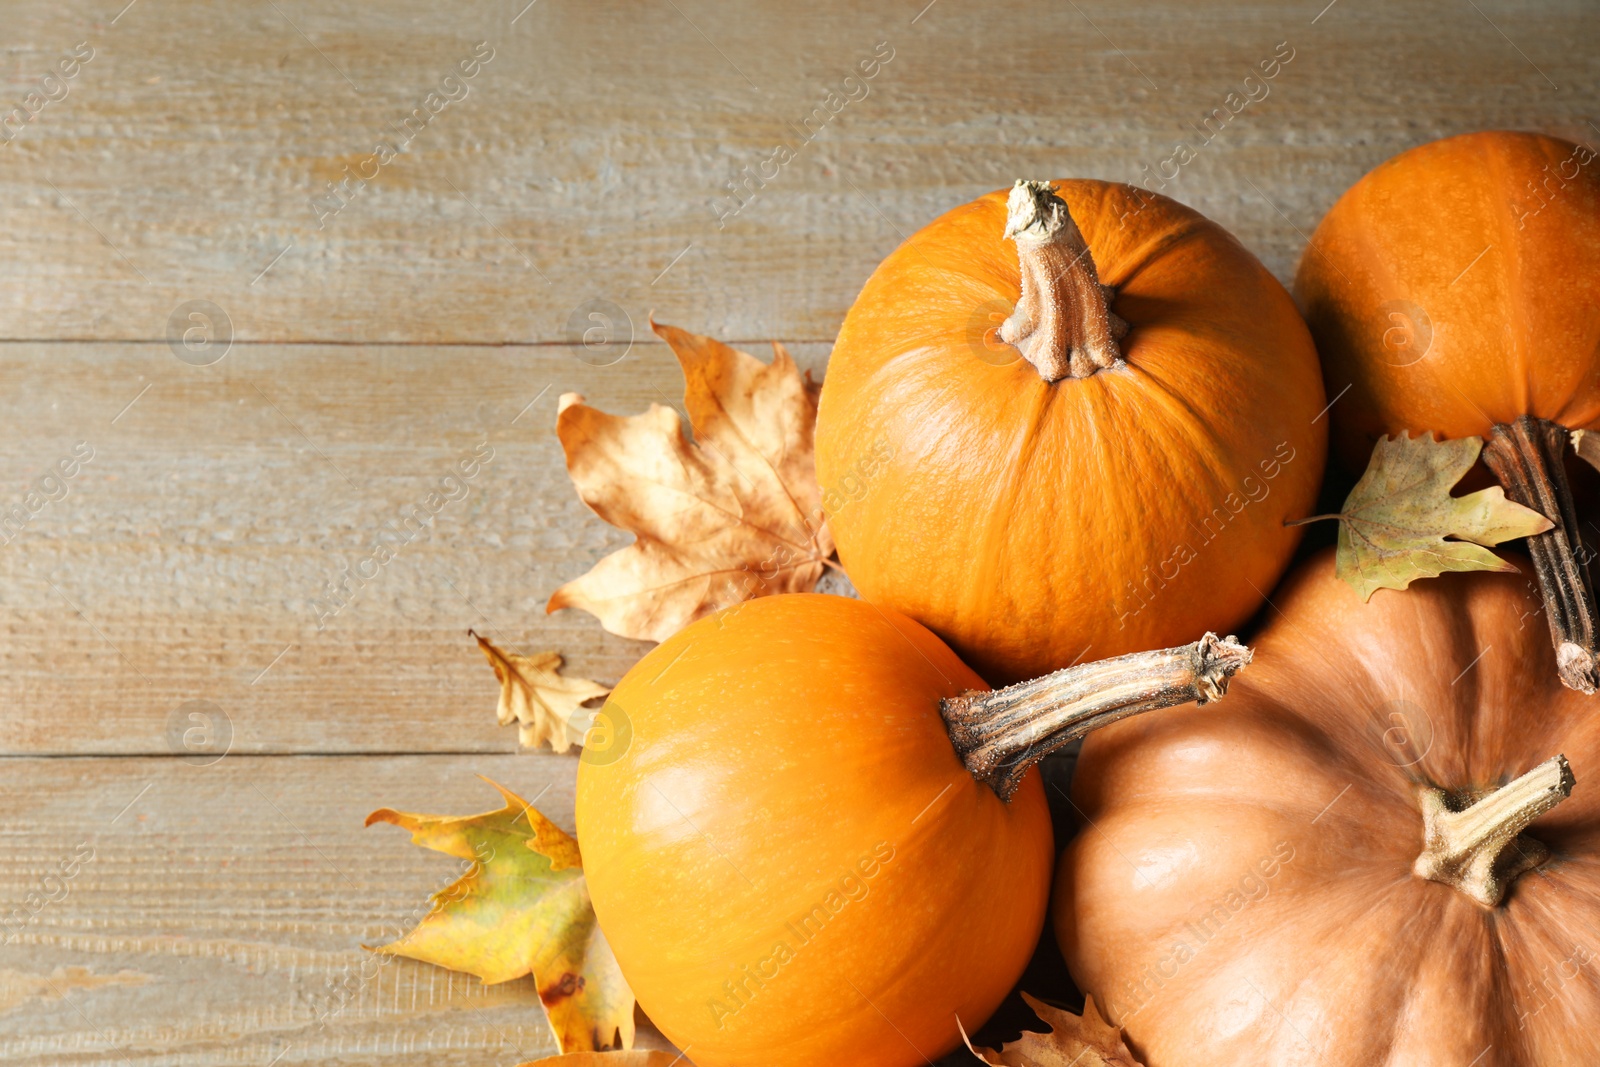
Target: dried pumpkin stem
[1477,845]
[1527,457]
[1000,733]
[1063,323]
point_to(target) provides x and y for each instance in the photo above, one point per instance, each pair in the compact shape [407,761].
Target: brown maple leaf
[734,514]
[1073,1041]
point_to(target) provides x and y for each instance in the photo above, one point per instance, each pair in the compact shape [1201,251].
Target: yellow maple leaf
[546,705]
[1084,1040]
[734,514]
[521,908]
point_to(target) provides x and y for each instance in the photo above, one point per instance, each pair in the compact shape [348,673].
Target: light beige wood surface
[590,155]
[216,914]
[440,310]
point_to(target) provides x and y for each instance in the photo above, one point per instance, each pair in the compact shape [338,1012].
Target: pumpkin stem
[1526,456]
[1000,733]
[1063,323]
[1476,844]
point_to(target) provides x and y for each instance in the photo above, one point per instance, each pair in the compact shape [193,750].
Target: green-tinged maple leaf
[521,908]
[1084,1040]
[1400,522]
[636,1058]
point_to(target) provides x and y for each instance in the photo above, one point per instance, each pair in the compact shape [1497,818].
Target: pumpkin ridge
[1503,971]
[1466,629]
[1494,157]
[1382,275]
[1199,426]
[1183,230]
[1445,909]
[990,557]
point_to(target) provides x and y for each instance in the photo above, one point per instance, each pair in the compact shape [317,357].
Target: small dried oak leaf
[546,706]
[1400,522]
[1586,443]
[1073,1041]
[734,514]
[522,907]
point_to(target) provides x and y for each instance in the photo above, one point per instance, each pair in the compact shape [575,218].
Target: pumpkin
[1367,855]
[788,844]
[1069,423]
[1456,288]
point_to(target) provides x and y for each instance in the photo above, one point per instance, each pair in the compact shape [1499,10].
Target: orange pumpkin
[1328,869]
[789,857]
[1456,288]
[1069,424]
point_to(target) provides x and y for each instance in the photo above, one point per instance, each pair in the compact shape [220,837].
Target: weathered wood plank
[186,560]
[165,914]
[590,158]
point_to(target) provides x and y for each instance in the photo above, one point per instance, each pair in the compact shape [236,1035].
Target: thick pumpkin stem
[1527,457]
[1476,845]
[1063,323]
[1000,733]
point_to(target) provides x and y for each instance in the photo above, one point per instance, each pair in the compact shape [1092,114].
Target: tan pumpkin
[1327,869]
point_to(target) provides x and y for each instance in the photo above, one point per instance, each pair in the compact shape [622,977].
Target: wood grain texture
[591,154]
[216,914]
[187,558]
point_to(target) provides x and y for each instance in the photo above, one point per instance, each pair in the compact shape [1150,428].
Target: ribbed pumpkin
[1069,423]
[1456,289]
[1327,869]
[788,843]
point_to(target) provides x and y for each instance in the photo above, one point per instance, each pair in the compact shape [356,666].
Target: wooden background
[220,917]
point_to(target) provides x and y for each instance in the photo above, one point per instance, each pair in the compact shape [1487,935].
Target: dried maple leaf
[521,908]
[636,1058]
[1073,1041]
[735,514]
[1586,443]
[545,705]
[1400,522]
